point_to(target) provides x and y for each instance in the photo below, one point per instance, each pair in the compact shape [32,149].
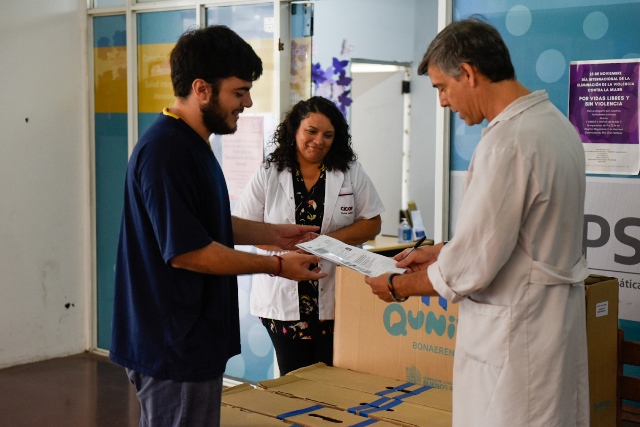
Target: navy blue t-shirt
[170,323]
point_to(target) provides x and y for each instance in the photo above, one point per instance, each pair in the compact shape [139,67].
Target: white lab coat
[269,197]
[516,266]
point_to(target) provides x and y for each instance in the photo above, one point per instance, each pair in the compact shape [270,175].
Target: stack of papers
[363,261]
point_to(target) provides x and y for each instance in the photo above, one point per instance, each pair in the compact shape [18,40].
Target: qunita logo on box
[397,320]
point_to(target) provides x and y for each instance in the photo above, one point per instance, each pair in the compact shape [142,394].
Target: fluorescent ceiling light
[358,67]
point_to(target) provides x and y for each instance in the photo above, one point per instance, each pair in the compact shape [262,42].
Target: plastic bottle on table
[405,233]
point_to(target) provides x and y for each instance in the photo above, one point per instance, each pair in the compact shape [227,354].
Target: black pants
[293,354]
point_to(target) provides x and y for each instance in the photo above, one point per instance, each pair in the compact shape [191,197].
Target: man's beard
[215,119]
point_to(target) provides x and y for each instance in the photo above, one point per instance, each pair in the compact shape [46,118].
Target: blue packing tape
[299,412]
[382,401]
[442,302]
[357,409]
[391,404]
[391,390]
[366,422]
[414,392]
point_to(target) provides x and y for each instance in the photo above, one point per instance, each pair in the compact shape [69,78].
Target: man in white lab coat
[515,264]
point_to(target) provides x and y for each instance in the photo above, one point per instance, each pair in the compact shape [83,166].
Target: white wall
[377,29]
[390,31]
[44,181]
[424,101]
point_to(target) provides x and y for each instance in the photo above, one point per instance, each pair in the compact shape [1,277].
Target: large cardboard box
[235,417]
[348,399]
[602,343]
[291,409]
[325,394]
[380,407]
[364,404]
[376,385]
[412,341]
[409,415]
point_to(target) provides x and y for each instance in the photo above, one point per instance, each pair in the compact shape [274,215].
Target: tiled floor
[85,390]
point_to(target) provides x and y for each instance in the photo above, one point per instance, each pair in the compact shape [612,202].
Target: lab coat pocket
[344,213]
[483,333]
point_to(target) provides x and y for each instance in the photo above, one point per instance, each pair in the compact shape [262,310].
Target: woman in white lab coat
[311,178]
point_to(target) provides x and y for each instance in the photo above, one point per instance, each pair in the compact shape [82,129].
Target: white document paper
[368,263]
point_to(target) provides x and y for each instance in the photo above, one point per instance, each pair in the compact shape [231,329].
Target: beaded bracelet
[392,290]
[277,273]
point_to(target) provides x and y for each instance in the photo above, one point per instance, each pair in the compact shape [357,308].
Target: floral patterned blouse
[309,211]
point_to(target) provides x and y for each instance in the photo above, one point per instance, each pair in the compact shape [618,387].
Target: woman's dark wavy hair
[470,41]
[285,154]
[212,54]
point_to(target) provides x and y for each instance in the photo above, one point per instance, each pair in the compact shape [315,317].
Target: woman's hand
[287,236]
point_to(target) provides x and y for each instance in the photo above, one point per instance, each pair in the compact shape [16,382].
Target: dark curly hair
[211,54]
[285,154]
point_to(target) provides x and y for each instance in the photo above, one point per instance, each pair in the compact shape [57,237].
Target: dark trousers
[166,403]
[293,354]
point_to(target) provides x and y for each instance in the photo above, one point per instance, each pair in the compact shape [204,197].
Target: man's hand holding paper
[418,260]
[368,263]
[394,289]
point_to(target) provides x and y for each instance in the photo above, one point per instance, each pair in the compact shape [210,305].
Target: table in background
[389,246]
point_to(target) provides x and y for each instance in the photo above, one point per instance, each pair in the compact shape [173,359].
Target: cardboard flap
[325,394]
[377,385]
[408,414]
[236,417]
[254,400]
[237,389]
[291,409]
[276,382]
[347,378]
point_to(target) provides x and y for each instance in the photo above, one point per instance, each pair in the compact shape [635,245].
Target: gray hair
[470,41]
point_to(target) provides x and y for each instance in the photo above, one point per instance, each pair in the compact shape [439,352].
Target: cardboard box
[234,417]
[376,385]
[602,344]
[325,394]
[412,341]
[382,408]
[409,415]
[292,410]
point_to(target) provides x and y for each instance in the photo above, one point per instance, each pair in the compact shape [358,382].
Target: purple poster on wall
[603,107]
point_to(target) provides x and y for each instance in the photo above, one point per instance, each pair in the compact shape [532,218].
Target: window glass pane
[301,32]
[543,38]
[108,3]
[254,23]
[111,154]
[158,33]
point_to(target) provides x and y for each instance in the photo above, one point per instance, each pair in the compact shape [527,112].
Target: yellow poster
[154,77]
[110,79]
